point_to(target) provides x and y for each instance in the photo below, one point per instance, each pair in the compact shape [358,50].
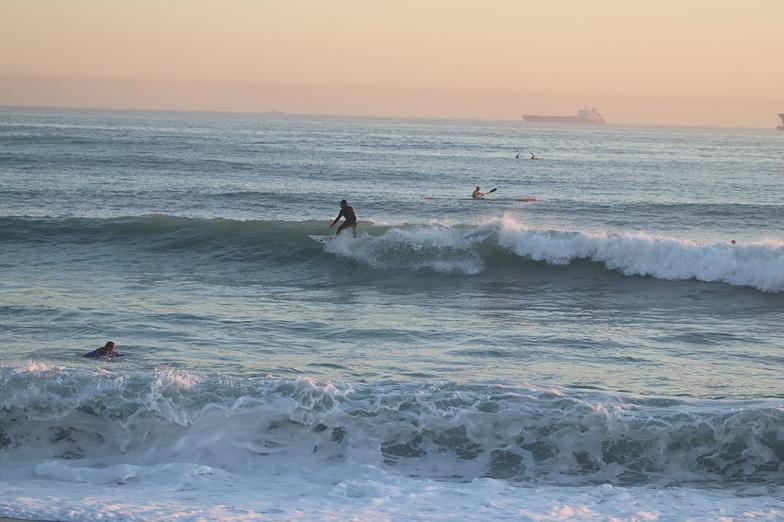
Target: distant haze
[685,62]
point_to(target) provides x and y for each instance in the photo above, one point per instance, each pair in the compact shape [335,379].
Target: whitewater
[610,351]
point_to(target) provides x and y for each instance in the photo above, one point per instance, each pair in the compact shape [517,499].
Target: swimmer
[106,351]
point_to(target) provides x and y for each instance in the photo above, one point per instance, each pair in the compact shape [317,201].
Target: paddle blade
[492,190]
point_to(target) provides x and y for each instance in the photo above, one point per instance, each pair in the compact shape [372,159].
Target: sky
[679,62]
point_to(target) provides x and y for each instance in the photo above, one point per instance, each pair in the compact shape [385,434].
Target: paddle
[486,193]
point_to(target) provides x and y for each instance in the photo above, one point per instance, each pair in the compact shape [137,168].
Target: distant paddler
[350,217]
[478,194]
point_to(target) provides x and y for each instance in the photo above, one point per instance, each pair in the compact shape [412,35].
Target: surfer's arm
[340,215]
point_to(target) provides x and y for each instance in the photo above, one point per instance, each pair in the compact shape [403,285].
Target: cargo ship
[781,115]
[583,116]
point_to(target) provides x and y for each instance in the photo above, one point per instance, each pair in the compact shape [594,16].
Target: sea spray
[439,430]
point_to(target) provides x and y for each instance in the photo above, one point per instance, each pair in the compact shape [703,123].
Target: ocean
[605,352]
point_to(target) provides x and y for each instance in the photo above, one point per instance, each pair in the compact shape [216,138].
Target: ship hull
[563,119]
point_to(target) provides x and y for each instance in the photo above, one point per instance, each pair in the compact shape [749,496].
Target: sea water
[603,352]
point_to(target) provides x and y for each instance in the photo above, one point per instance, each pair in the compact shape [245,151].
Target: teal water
[606,335]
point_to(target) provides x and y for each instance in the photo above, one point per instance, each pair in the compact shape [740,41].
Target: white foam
[468,250]
[438,248]
[759,264]
[346,493]
[174,446]
[118,473]
[37,367]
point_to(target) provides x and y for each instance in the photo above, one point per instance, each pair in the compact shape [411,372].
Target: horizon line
[370,116]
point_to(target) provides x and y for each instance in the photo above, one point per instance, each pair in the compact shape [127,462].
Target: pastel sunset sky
[686,62]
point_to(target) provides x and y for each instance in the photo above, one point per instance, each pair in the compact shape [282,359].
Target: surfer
[477,194]
[532,156]
[107,350]
[350,217]
[517,156]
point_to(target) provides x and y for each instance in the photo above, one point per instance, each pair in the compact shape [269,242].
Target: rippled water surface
[541,358]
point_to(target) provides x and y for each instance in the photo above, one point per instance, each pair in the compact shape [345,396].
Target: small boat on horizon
[583,116]
[781,127]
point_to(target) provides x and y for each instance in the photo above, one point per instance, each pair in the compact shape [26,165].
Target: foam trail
[472,250]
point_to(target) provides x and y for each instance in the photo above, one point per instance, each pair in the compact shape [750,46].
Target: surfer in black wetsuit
[106,351]
[350,217]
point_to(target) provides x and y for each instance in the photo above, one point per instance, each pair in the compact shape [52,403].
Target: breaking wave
[500,244]
[65,419]
[471,250]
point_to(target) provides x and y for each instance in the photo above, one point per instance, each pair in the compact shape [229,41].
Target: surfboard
[319,239]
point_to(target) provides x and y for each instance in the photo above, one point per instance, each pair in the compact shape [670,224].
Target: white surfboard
[319,239]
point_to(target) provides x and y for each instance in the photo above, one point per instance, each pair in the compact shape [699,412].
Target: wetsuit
[97,354]
[347,212]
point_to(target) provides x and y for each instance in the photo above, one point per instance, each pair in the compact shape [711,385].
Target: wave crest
[501,244]
[444,430]
[471,250]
